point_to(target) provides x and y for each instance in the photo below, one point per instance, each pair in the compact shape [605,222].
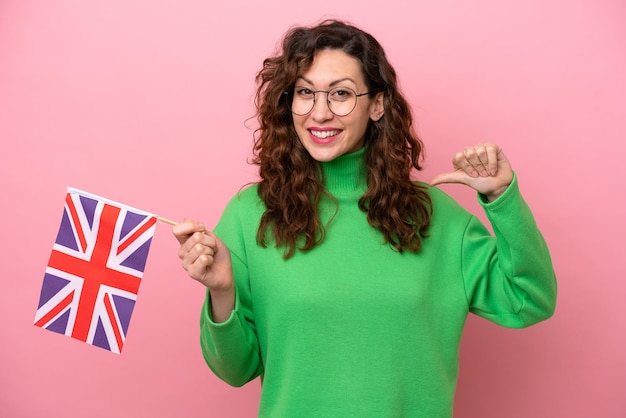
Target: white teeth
[323,134]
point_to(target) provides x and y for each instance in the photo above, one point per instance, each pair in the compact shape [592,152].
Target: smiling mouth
[324,134]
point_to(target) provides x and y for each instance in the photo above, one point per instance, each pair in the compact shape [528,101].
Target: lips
[324,136]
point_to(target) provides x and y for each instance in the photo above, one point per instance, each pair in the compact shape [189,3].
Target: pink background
[146,102]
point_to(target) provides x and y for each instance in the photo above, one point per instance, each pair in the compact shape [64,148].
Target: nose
[321,111]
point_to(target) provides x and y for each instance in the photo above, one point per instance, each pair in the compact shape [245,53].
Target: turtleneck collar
[346,174]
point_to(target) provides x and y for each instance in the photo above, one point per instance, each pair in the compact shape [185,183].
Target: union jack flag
[91,282]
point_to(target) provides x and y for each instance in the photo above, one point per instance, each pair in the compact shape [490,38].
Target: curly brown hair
[291,184]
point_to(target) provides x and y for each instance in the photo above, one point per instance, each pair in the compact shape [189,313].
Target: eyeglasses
[340,100]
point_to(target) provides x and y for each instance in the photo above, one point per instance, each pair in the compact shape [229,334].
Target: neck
[346,174]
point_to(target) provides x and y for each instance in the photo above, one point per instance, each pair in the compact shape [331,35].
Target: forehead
[331,65]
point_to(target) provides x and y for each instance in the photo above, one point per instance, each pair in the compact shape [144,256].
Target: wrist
[222,293]
[494,195]
[222,304]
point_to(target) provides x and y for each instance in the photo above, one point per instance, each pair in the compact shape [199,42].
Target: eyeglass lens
[341,100]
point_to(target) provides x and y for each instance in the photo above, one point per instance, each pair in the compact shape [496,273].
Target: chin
[323,156]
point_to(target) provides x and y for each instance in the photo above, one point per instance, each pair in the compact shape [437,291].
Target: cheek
[360,124]
[301,133]
[298,123]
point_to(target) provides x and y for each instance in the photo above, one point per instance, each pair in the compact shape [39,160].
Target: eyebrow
[332,84]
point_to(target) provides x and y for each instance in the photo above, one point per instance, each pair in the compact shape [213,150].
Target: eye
[341,94]
[303,92]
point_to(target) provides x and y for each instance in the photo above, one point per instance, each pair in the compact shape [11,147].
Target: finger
[463,161]
[481,163]
[458,176]
[478,158]
[211,240]
[200,267]
[492,158]
[182,231]
[196,245]
[198,255]
[199,250]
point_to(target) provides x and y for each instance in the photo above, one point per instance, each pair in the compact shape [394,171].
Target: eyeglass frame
[356,95]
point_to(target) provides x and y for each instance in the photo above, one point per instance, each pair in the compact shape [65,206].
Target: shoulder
[242,212]
[448,216]
[244,206]
[247,198]
[442,201]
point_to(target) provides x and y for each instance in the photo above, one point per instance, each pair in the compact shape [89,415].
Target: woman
[340,281]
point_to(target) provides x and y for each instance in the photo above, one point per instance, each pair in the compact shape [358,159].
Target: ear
[377,107]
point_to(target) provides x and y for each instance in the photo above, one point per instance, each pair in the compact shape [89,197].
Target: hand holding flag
[207,260]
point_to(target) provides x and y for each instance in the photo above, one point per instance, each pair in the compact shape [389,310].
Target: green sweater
[354,328]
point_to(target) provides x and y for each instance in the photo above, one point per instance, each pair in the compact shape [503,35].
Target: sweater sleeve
[510,279]
[231,348]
